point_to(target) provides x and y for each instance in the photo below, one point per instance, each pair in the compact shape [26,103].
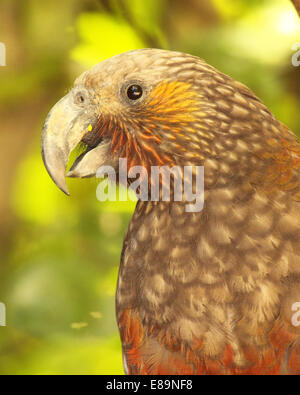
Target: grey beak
[65,127]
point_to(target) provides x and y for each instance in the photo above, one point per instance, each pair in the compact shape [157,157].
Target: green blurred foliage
[94,30]
[60,255]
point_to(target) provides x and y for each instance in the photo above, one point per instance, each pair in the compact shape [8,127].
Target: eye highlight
[134,92]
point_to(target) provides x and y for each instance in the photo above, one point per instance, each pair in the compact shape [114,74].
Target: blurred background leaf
[59,256]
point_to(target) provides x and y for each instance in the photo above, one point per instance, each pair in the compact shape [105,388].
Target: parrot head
[152,107]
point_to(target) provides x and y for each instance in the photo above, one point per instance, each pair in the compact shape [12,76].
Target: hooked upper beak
[65,127]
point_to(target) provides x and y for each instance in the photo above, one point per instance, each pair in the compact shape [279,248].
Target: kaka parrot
[209,292]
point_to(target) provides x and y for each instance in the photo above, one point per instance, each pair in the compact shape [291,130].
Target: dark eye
[134,92]
[80,98]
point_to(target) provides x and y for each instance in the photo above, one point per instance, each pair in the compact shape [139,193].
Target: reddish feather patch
[176,358]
